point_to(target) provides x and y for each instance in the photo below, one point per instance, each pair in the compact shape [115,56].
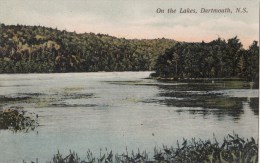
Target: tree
[217,59]
[252,62]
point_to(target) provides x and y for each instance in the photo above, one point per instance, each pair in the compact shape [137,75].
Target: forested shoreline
[37,49]
[216,59]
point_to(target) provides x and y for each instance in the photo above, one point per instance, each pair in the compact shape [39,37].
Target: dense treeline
[29,49]
[216,59]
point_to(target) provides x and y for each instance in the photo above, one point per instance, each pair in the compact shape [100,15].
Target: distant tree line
[216,59]
[30,49]
[36,49]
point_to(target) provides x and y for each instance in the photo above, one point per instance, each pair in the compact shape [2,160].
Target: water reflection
[115,110]
[206,99]
[254,105]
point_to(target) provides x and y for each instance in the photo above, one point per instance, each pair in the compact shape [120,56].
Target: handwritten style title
[241,10]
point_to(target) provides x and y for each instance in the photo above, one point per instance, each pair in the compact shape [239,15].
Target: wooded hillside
[29,49]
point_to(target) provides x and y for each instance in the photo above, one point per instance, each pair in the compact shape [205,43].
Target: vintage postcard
[112,81]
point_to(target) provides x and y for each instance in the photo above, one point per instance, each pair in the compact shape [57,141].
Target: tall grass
[232,149]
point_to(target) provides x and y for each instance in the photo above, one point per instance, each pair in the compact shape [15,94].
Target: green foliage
[216,59]
[232,149]
[29,49]
[17,120]
[106,157]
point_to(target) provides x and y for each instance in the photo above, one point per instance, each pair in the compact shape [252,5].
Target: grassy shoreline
[232,149]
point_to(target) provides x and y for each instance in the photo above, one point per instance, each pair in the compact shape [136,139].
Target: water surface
[82,111]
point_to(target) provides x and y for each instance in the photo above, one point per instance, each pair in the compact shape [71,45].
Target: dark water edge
[227,83]
[202,93]
[254,104]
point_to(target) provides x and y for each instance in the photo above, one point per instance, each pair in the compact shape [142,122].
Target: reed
[232,149]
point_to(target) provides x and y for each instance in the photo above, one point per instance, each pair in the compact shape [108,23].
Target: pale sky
[138,18]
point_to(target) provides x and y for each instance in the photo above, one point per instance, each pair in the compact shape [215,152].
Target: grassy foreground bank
[232,149]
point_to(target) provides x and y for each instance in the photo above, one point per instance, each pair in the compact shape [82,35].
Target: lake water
[81,111]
